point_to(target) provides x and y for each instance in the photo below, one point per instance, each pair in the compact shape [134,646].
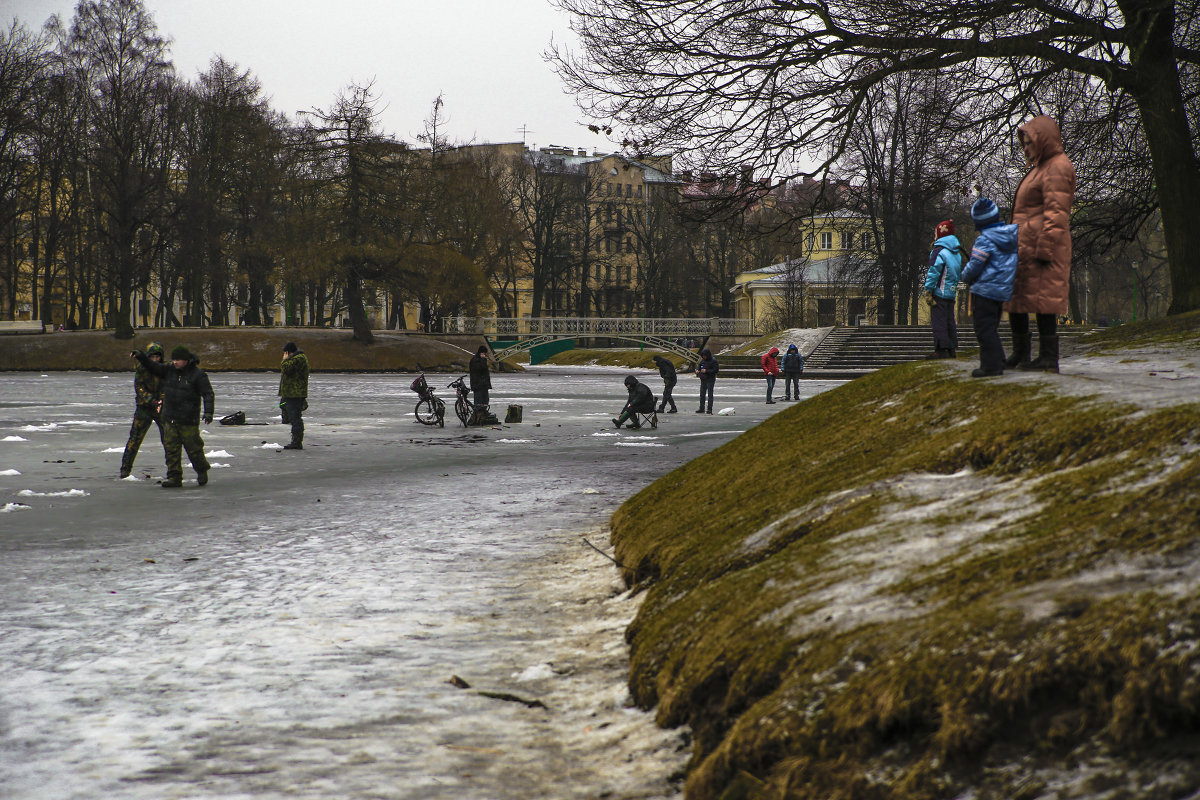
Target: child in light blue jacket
[941,288]
[990,273]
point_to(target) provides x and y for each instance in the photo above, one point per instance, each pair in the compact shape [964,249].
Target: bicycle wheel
[426,412]
[463,410]
[441,412]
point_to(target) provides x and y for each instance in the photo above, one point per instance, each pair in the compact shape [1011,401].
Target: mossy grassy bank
[921,585]
[244,349]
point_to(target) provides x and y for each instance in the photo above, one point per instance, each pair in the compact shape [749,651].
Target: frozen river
[292,629]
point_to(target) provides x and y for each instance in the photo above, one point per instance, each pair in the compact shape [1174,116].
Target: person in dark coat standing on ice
[641,401]
[793,368]
[480,378]
[186,390]
[293,392]
[706,371]
[667,370]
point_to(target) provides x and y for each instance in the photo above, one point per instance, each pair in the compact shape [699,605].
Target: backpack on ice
[236,418]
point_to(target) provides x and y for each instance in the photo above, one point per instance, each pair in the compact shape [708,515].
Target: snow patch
[221,454]
[7,507]
[726,412]
[49,426]
[538,672]
[268,446]
[9,472]
[517,441]
[14,439]
[66,493]
[639,444]
[114,450]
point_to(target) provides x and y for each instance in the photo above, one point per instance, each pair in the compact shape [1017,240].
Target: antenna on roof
[524,131]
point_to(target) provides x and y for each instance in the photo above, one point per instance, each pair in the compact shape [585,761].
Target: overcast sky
[483,56]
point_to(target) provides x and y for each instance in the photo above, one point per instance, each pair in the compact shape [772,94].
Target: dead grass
[922,586]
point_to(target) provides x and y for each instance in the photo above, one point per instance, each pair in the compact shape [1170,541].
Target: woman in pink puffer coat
[1042,213]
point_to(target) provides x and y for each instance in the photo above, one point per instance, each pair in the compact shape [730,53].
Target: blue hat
[984,213]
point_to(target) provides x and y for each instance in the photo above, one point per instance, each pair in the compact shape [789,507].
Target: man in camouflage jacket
[148,391]
[293,392]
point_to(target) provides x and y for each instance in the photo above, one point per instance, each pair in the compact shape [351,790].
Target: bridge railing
[597,326]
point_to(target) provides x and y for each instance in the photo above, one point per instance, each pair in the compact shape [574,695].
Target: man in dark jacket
[706,371]
[148,392]
[185,389]
[293,392]
[667,370]
[641,401]
[481,379]
[793,368]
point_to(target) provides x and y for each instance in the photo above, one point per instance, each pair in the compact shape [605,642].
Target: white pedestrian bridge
[661,333]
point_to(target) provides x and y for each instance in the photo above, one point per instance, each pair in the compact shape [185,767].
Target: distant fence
[597,326]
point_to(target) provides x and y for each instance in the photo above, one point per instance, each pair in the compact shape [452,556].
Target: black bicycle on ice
[464,409]
[430,410]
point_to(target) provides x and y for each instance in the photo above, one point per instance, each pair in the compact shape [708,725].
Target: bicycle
[464,409]
[430,410]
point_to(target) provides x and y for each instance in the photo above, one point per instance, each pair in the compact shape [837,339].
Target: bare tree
[780,81]
[24,59]
[117,51]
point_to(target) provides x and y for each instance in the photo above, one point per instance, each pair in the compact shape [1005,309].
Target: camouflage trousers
[143,418]
[187,437]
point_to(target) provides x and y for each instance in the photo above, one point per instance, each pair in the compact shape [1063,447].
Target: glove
[929,300]
[207,419]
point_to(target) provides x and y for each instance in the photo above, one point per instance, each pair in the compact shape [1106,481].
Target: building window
[810,242]
[629,190]
[639,190]
[847,240]
[866,241]
[826,241]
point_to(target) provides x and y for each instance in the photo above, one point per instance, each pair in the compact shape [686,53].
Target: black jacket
[707,369]
[480,377]
[667,370]
[183,390]
[640,398]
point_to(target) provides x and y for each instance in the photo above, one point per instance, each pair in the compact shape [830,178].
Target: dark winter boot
[297,443]
[1047,360]
[1020,354]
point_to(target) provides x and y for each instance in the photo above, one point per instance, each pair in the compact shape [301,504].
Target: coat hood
[1045,135]
[793,349]
[949,242]
[661,360]
[1004,235]
[774,351]
[706,352]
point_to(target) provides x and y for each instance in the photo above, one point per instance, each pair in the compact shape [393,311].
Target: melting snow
[14,439]
[65,493]
[9,472]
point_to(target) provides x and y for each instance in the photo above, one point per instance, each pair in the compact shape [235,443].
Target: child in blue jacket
[941,289]
[990,273]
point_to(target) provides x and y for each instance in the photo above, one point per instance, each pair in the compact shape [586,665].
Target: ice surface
[289,630]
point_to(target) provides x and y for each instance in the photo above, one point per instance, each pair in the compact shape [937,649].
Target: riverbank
[243,349]
[923,585]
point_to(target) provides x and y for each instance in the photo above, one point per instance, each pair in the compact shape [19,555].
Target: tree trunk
[354,305]
[1159,97]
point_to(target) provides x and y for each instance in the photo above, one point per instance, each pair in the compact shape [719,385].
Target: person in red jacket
[770,367]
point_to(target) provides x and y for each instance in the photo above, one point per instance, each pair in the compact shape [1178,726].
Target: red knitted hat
[944,228]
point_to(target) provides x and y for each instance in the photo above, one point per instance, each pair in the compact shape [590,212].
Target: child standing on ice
[990,273]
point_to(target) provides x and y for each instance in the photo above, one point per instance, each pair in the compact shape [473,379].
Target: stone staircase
[848,352]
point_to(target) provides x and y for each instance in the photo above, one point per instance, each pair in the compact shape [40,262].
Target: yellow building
[828,283]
